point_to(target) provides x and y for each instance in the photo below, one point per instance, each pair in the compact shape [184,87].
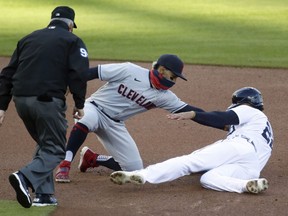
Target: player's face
[168,74]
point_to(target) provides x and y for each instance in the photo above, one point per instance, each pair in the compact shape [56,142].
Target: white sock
[69,156]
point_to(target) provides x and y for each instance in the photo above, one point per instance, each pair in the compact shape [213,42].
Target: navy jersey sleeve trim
[188,108]
[217,119]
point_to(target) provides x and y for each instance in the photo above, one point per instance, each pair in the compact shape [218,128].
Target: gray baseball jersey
[127,92]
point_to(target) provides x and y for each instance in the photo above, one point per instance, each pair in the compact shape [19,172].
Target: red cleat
[87,159]
[62,173]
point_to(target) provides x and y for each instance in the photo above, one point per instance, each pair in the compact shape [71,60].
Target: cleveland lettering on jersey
[135,96]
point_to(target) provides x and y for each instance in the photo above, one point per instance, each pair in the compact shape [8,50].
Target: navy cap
[64,12]
[172,63]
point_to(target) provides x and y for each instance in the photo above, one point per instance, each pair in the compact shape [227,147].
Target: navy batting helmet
[248,95]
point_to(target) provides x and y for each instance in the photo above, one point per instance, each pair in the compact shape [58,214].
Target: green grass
[12,208]
[218,32]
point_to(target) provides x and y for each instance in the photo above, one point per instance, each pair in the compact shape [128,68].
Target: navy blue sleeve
[188,108]
[92,73]
[217,119]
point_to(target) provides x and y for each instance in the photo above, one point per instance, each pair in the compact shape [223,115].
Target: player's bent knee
[206,180]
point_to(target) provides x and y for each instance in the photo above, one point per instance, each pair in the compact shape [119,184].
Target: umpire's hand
[2,116]
[78,113]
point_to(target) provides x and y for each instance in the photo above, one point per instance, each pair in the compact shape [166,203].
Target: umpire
[44,65]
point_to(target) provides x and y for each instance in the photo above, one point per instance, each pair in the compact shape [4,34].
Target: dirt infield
[208,87]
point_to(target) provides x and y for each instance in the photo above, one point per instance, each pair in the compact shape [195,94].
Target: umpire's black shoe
[44,200]
[17,180]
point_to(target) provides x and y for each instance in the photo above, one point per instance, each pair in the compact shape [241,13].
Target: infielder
[130,90]
[232,164]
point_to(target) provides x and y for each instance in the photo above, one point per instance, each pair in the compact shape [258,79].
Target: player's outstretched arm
[215,119]
[182,116]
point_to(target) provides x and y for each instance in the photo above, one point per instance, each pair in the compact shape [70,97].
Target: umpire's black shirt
[45,63]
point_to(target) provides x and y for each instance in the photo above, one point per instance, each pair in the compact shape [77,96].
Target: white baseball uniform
[128,92]
[230,162]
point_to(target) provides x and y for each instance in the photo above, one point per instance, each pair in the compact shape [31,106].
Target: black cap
[172,63]
[64,12]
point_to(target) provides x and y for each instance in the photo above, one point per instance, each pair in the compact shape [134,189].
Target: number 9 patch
[83,52]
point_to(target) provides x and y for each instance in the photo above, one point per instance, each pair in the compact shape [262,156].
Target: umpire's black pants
[46,123]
